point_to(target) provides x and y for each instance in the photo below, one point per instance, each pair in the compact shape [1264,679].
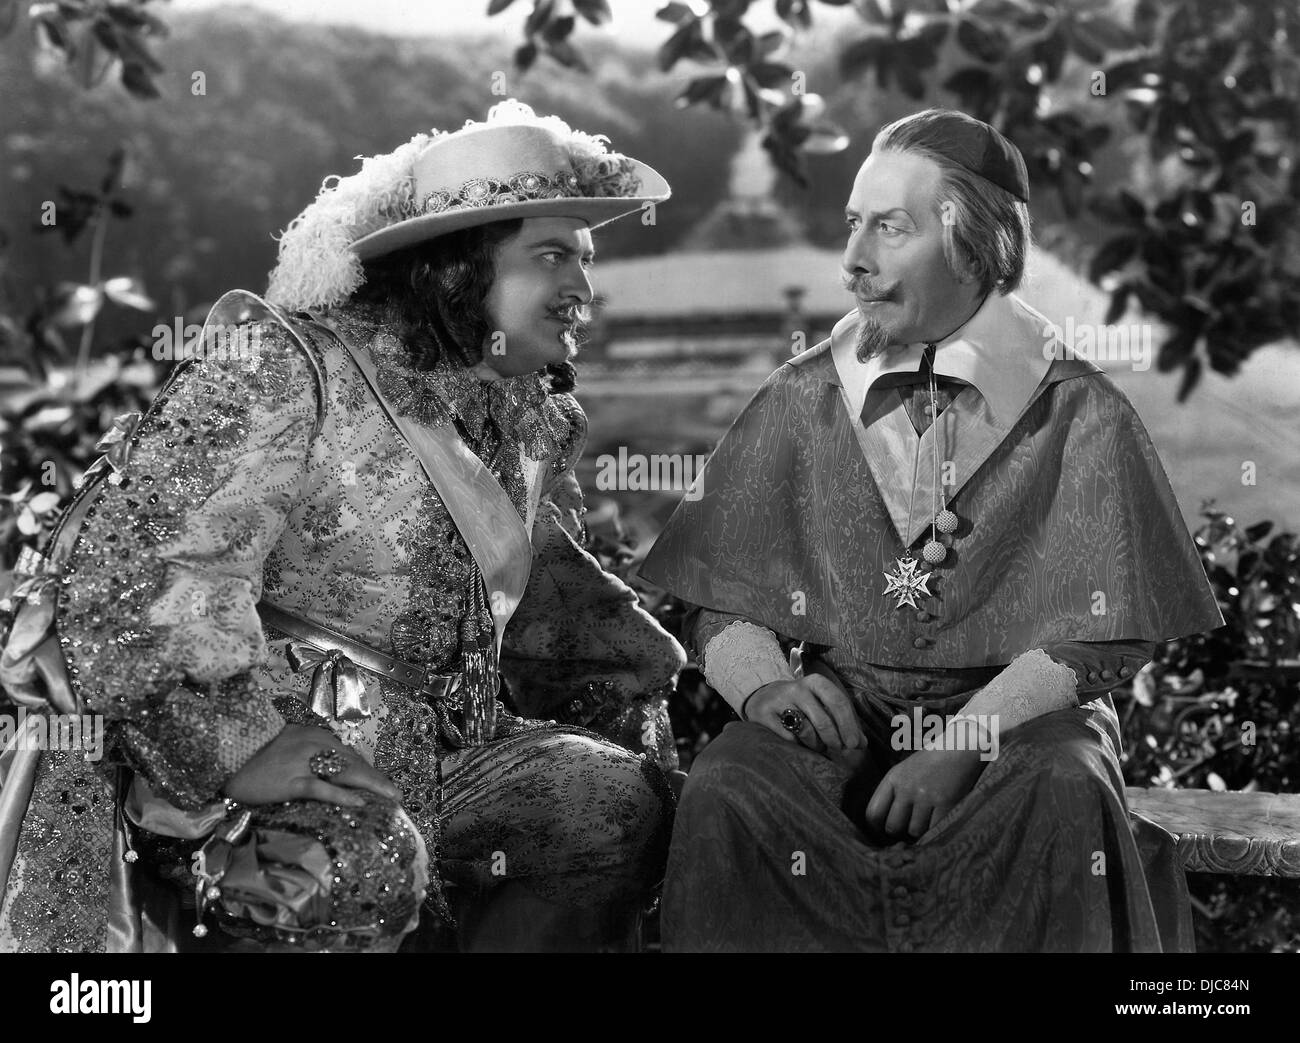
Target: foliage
[212,178]
[94,35]
[52,415]
[1221,711]
[1210,247]
[1213,99]
[73,304]
[48,431]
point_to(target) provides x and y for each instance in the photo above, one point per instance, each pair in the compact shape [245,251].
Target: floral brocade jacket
[226,498]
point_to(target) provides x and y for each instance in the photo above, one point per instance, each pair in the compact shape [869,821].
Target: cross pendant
[906,583]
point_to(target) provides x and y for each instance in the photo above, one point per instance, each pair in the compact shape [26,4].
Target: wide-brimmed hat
[514,164]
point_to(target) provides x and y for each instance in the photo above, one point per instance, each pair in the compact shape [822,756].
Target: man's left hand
[917,792]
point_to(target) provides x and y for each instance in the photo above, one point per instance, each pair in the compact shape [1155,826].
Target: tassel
[207,881]
[478,683]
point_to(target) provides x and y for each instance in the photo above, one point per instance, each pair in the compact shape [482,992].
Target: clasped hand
[917,792]
[281,770]
[914,795]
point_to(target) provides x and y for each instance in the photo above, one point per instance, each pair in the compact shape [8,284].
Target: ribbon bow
[337,690]
[115,444]
[30,577]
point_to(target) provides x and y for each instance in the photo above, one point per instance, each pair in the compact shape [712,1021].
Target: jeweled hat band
[615,178]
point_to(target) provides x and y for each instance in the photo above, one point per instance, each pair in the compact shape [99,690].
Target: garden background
[148,151]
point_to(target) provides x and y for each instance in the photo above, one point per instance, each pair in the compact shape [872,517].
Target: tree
[1211,247]
[49,425]
[93,36]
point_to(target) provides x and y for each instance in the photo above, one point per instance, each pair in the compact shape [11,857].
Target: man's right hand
[281,770]
[830,723]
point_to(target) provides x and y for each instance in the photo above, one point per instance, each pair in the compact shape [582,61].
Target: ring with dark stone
[792,720]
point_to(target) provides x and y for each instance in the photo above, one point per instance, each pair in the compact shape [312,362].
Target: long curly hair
[436,294]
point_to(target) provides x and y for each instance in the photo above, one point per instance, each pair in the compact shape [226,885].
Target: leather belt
[422,679]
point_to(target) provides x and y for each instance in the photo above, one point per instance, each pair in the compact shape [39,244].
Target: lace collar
[521,407]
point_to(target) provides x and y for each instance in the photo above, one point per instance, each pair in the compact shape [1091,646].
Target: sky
[634,20]
[634,23]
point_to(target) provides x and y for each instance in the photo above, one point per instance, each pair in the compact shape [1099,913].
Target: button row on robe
[901,897]
[1108,675]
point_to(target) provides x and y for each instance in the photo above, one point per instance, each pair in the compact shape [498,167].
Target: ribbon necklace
[906,582]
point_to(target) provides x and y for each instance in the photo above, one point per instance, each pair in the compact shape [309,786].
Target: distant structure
[744,293]
[749,218]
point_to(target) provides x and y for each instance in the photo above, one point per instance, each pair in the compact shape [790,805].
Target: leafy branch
[94,35]
[1211,246]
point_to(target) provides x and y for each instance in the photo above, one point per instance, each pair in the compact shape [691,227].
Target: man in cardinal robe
[953,520]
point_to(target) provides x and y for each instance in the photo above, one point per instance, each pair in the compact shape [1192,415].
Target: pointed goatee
[872,338]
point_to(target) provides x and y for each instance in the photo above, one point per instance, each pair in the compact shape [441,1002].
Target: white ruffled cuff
[1031,685]
[740,659]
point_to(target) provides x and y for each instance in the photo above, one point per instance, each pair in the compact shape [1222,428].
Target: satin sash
[18,763]
[483,513]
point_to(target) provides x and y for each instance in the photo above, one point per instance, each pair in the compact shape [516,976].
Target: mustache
[576,315]
[578,319]
[861,286]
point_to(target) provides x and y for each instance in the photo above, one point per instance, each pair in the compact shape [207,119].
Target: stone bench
[1241,834]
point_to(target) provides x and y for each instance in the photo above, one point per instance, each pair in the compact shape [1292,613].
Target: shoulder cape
[1069,531]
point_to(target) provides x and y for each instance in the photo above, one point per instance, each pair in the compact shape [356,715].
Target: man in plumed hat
[970,539]
[296,594]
